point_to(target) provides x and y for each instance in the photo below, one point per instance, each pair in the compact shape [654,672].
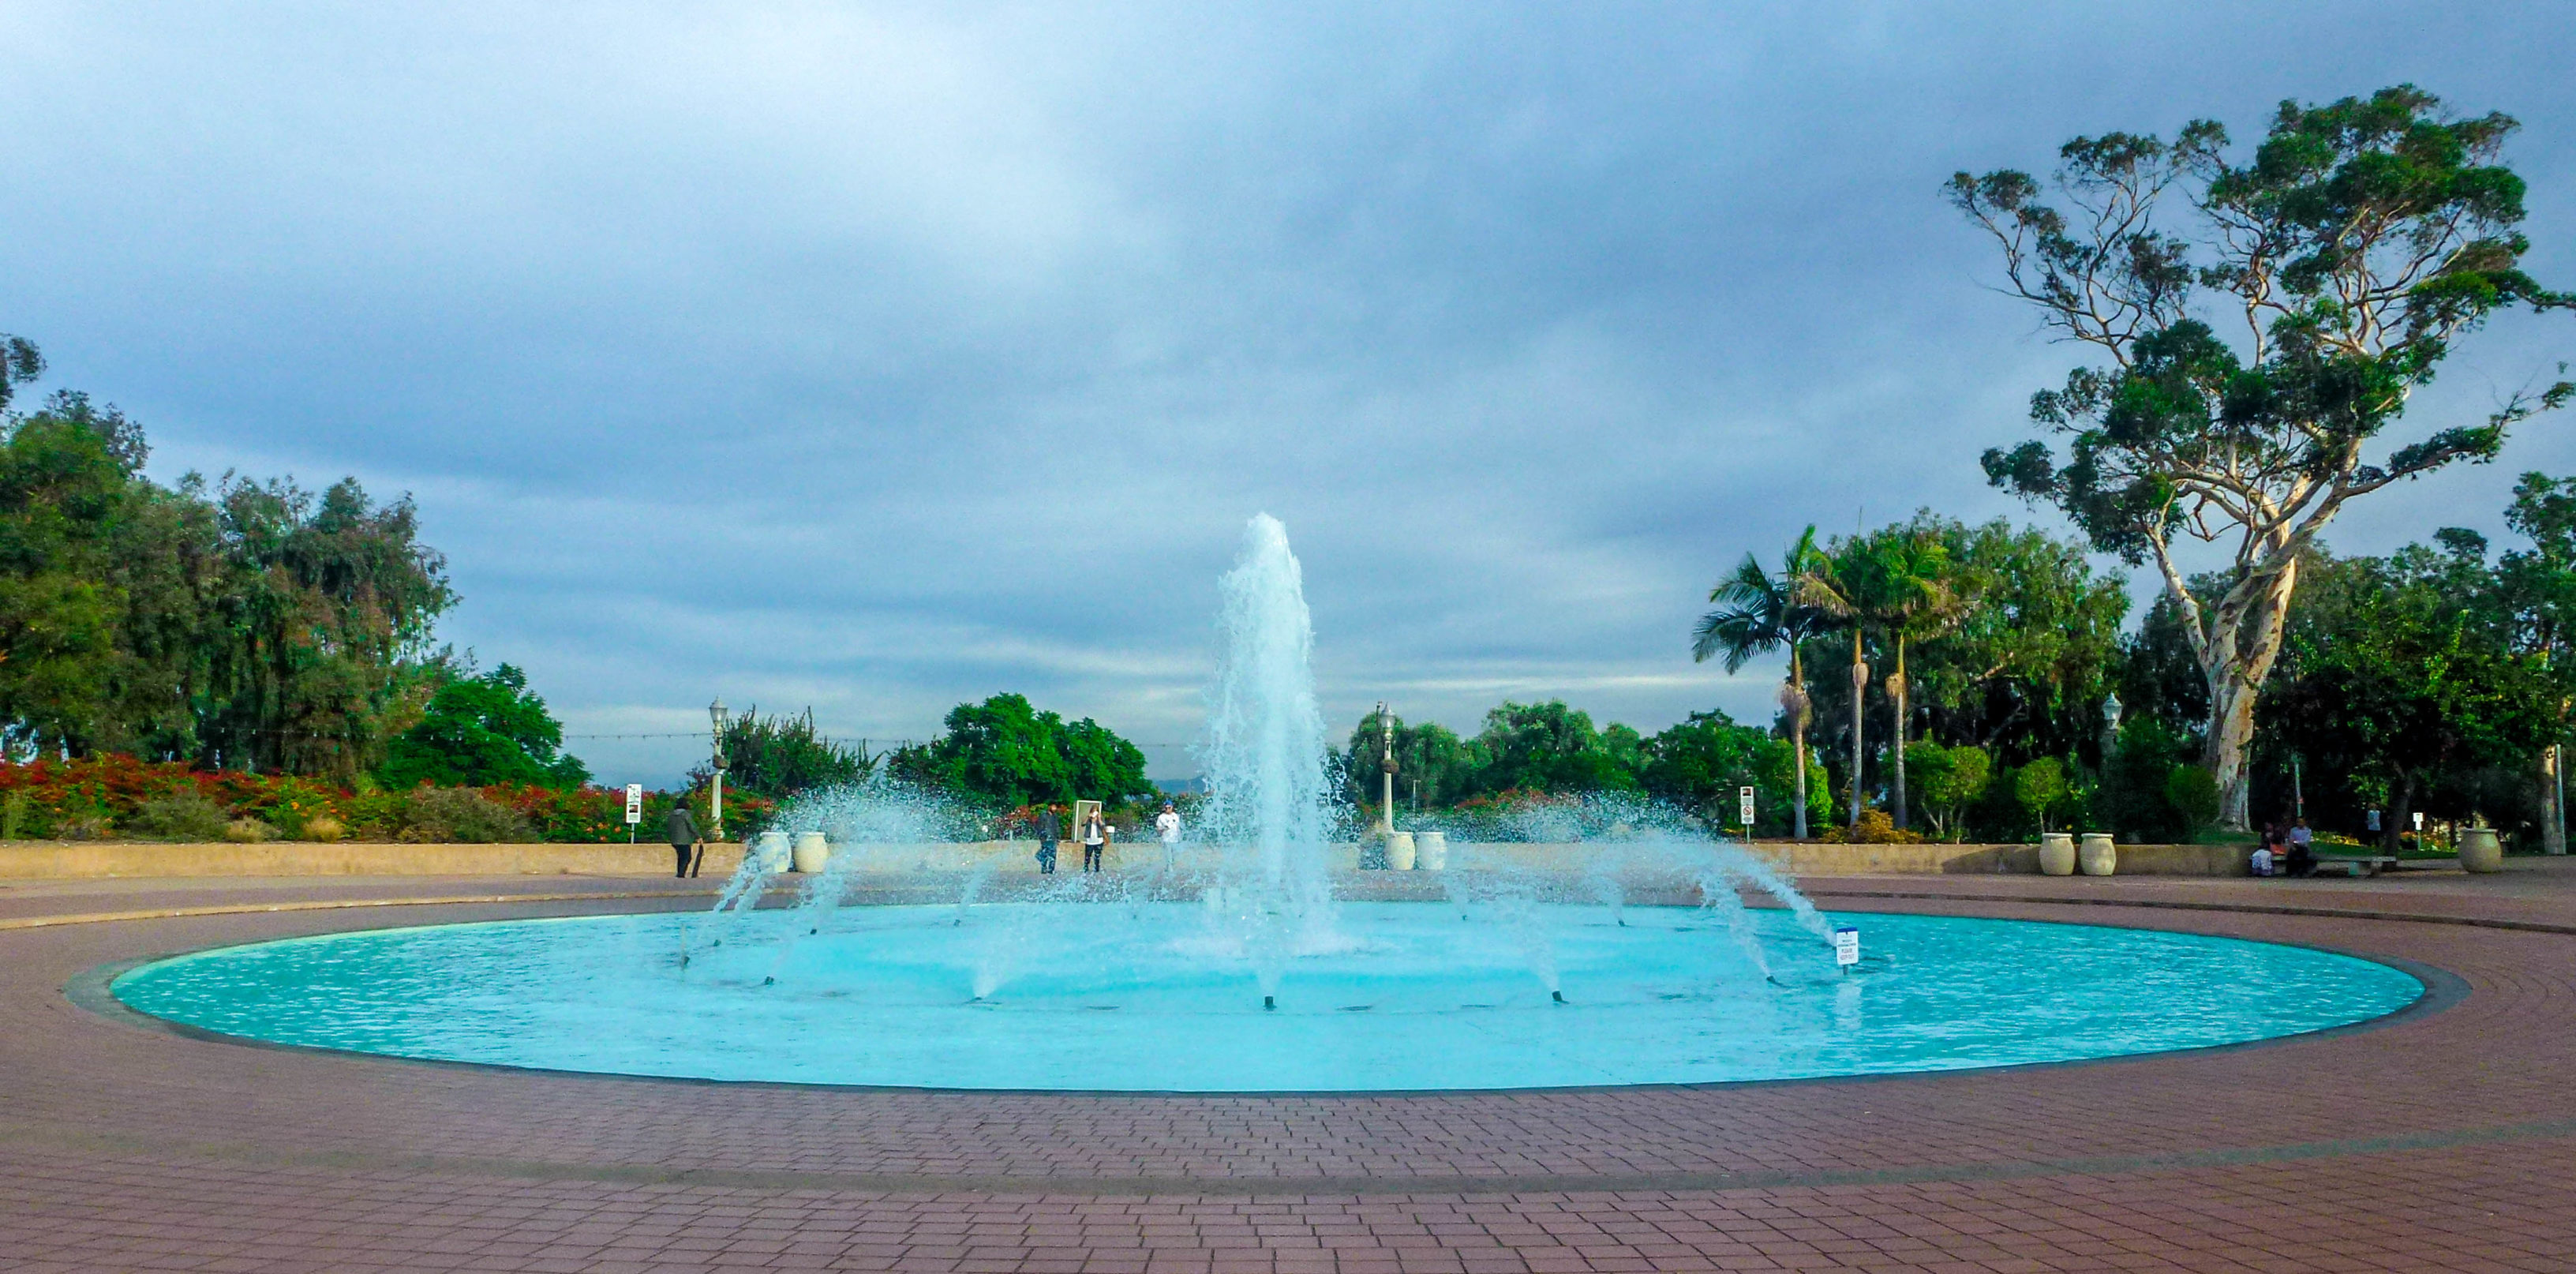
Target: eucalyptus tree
[2363,238]
[20,362]
[1758,611]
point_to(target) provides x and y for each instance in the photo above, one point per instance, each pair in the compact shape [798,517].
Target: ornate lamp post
[1386,763]
[717,713]
[2110,728]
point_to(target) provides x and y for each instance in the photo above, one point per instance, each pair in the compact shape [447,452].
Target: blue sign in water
[1390,996]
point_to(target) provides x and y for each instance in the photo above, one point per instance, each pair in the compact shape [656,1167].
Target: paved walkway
[2441,1141]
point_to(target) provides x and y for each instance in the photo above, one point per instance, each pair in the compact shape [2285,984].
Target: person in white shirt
[1167,826]
[1095,840]
[2263,861]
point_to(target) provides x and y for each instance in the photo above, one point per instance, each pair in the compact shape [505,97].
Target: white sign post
[1846,946]
[634,809]
[1744,810]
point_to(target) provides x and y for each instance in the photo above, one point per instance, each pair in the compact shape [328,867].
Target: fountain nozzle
[1558,996]
[771,980]
[1269,1002]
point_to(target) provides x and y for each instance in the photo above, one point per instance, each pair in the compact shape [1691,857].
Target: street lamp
[2110,726]
[715,792]
[1386,761]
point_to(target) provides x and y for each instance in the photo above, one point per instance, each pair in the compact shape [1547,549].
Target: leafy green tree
[2025,669]
[2359,242]
[478,731]
[1758,612]
[2041,789]
[67,475]
[1006,752]
[1951,779]
[1700,764]
[2403,670]
[323,627]
[2193,794]
[2159,676]
[2539,589]
[1549,747]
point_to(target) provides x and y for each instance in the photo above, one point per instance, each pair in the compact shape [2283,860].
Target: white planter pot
[2056,854]
[2479,850]
[1430,851]
[2097,856]
[1399,851]
[812,852]
[771,850]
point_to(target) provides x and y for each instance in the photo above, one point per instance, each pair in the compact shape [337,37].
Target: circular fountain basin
[1161,997]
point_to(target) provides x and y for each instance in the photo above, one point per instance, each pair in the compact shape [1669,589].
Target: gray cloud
[878,358]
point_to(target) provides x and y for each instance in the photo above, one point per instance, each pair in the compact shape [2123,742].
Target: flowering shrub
[123,795]
[1874,828]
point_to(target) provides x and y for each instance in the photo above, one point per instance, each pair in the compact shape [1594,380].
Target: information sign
[1846,946]
[634,804]
[1744,808]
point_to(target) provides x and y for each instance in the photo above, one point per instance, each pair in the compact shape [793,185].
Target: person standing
[1095,840]
[1167,828]
[684,837]
[1049,831]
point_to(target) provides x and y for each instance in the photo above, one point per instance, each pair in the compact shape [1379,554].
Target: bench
[2354,864]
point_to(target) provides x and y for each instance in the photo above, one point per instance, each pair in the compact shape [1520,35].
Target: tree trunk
[1896,688]
[2553,795]
[2243,642]
[1798,739]
[2398,817]
[1859,689]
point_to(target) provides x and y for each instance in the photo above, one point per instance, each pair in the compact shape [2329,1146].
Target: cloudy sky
[881,357]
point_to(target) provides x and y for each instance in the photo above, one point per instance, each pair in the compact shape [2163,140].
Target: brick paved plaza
[2440,1141]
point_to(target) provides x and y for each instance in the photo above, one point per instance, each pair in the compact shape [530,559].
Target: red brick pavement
[2439,1142]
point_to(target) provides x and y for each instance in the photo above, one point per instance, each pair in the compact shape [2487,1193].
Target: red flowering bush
[106,795]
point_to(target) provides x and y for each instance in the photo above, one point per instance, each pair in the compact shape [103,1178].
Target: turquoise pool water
[1161,997]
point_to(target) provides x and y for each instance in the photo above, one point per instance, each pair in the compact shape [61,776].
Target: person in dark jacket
[684,838]
[1049,831]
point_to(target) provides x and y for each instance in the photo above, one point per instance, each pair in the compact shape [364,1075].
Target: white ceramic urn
[2480,851]
[772,850]
[812,852]
[2097,856]
[1399,851]
[2056,854]
[1430,851]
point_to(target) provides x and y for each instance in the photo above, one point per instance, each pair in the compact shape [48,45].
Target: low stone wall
[92,859]
[50,860]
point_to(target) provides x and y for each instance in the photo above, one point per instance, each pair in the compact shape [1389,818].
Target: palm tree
[1759,612]
[1835,591]
[1921,596]
[1903,584]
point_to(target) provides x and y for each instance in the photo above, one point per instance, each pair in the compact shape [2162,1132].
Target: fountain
[1569,942]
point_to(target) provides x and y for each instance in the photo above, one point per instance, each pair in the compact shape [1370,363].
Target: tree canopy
[2360,240]
[480,730]
[237,623]
[1006,752]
